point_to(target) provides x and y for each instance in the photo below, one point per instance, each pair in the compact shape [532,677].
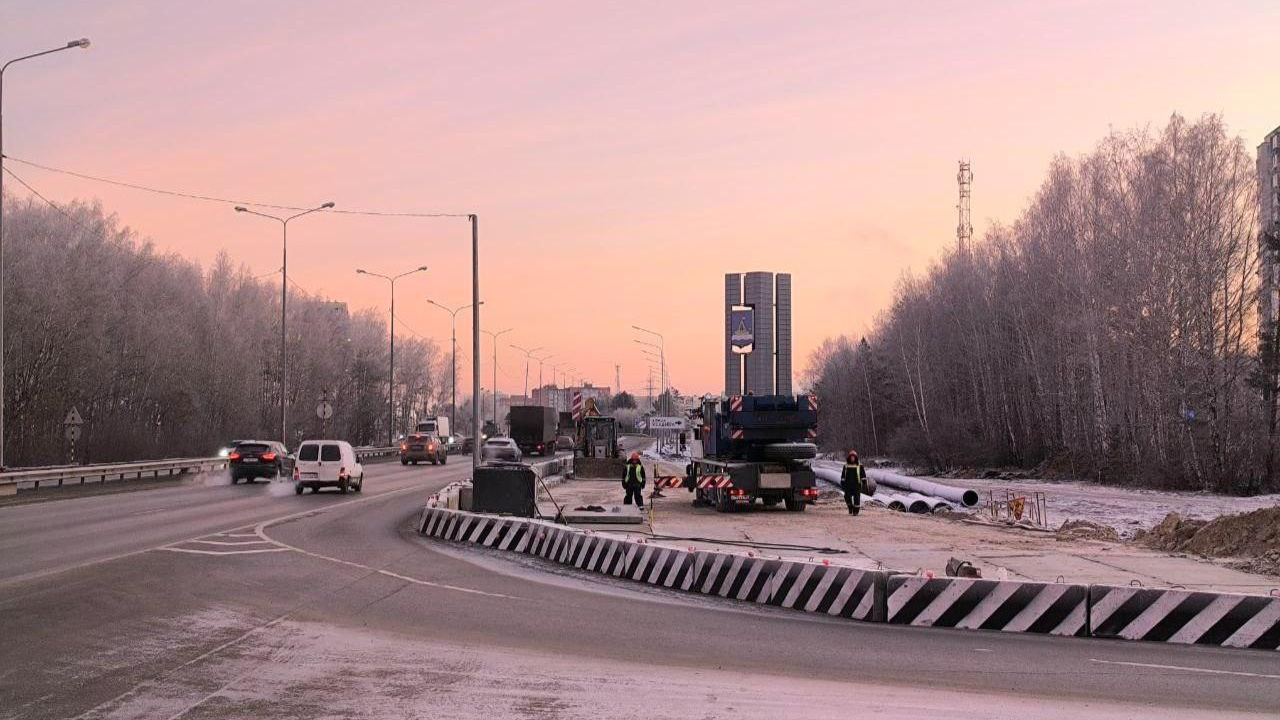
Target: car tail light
[233,456]
[737,492]
[342,471]
[269,457]
[404,447]
[431,447]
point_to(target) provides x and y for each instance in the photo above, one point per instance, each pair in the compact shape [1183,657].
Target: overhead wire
[225,201]
[48,202]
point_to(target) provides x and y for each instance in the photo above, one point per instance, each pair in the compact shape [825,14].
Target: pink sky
[625,155]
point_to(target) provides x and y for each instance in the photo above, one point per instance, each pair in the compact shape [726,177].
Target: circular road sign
[324,410]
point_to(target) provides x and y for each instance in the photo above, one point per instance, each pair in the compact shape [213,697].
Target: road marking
[237,535]
[983,650]
[1186,669]
[39,574]
[261,531]
[222,552]
[219,542]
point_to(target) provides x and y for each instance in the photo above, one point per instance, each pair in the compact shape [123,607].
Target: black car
[254,459]
[468,445]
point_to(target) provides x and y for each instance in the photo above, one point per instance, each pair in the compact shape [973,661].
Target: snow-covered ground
[1125,509]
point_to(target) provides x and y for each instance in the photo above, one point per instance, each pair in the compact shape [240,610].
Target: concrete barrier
[1131,613]
[829,589]
[1184,616]
[1045,608]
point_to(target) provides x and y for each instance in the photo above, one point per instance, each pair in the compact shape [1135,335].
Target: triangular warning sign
[73,418]
[742,326]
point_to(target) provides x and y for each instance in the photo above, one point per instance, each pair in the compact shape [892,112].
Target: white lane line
[236,535]
[223,552]
[219,542]
[1186,669]
[38,574]
[261,531]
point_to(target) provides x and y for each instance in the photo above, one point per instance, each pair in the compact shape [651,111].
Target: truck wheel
[343,485]
[444,459]
[789,451]
[404,461]
[360,485]
[297,488]
[795,505]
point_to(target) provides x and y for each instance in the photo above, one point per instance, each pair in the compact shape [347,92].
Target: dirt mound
[1085,530]
[1248,535]
[1172,533]
[1266,564]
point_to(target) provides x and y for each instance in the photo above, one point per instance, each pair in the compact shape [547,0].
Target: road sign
[73,417]
[668,423]
[640,423]
[73,432]
[324,410]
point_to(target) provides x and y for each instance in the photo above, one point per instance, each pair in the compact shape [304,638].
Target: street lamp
[541,360]
[81,43]
[662,371]
[453,362]
[284,294]
[662,358]
[494,335]
[527,355]
[391,374]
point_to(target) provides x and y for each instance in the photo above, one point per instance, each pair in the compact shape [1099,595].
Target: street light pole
[540,361]
[476,451]
[391,373]
[527,355]
[662,369]
[284,294]
[81,43]
[453,361]
[495,336]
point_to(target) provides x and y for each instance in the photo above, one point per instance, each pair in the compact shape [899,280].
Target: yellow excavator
[597,433]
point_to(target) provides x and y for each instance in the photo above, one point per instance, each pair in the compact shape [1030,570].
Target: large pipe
[963,496]
[931,502]
[832,475]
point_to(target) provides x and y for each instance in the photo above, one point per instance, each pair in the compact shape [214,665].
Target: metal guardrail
[35,478]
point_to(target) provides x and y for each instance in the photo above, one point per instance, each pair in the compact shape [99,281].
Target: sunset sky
[621,156]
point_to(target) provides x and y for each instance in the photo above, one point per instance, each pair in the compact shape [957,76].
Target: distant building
[561,398]
[1268,222]
[757,333]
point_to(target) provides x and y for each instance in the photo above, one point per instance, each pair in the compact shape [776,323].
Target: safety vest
[635,472]
[858,473]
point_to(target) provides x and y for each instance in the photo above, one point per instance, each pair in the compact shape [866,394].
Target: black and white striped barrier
[1185,616]
[1132,613]
[830,589]
[1045,608]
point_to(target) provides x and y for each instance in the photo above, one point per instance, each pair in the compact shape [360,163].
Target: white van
[327,463]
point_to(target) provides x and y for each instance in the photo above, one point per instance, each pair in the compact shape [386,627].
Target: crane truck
[756,447]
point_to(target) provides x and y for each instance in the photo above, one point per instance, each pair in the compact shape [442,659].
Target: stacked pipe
[903,493]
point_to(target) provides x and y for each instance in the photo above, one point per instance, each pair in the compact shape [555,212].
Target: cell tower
[964,229]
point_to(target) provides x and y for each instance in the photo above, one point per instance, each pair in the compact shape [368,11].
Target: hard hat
[635,457]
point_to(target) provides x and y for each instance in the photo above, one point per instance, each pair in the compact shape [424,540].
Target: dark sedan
[253,459]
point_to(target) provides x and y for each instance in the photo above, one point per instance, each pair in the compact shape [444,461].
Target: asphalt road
[227,601]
